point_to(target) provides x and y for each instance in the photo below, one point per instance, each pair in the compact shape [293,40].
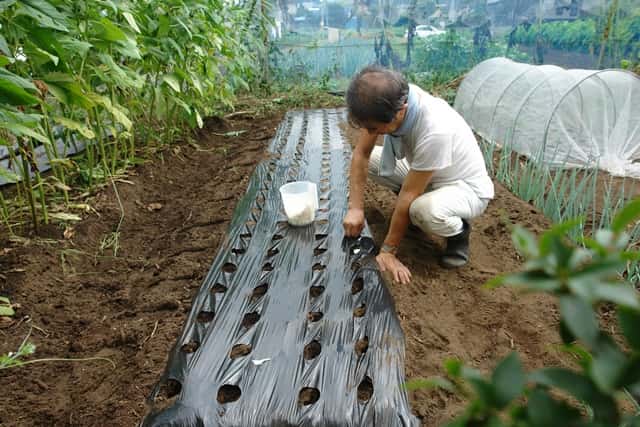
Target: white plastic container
[300,200]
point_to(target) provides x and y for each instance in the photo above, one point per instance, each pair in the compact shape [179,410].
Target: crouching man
[430,159]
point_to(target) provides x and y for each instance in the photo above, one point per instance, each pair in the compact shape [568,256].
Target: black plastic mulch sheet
[292,325]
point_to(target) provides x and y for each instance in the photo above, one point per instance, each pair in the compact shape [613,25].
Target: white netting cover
[575,118]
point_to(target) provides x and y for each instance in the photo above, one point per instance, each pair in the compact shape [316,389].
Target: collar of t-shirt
[393,148]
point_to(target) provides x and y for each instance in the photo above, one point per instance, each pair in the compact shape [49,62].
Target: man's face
[378,128]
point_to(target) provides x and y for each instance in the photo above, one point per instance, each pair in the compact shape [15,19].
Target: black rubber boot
[457,252]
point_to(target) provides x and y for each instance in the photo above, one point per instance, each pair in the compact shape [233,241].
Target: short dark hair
[375,94]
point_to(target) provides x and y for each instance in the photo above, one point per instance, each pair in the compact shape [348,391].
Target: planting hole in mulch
[273,252]
[245,236]
[229,267]
[267,267]
[312,350]
[362,345]
[308,396]
[318,267]
[365,390]
[360,310]
[319,251]
[321,236]
[190,347]
[169,389]
[218,289]
[314,316]
[259,291]
[228,393]
[356,266]
[205,316]
[316,291]
[240,350]
[250,319]
[357,285]
[238,251]
[277,237]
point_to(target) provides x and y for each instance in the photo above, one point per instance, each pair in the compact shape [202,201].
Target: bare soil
[79,301]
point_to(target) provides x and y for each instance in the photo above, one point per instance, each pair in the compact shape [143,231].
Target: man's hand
[388,262]
[353,222]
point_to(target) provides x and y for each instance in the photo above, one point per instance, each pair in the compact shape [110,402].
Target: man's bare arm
[354,220]
[359,168]
[412,188]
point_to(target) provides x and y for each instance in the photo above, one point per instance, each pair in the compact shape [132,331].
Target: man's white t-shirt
[441,141]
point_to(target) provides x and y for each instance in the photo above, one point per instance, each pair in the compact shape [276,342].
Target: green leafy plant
[583,279]
[27,348]
[112,77]
[6,308]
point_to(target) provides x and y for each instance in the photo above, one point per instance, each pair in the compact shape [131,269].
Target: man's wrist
[389,249]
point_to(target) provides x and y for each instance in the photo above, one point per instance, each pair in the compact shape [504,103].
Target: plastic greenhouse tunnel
[564,118]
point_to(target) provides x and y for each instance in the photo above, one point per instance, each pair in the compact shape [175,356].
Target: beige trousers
[439,211]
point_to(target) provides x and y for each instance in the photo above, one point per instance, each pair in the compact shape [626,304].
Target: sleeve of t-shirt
[433,152]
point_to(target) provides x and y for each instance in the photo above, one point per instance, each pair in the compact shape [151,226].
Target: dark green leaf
[629,214]
[163,26]
[494,421]
[634,421]
[631,374]
[508,380]
[485,391]
[544,411]
[21,130]
[630,323]
[4,47]
[565,333]
[608,363]
[16,80]
[623,294]
[604,407]
[553,237]
[109,31]
[59,93]
[47,8]
[601,269]
[579,318]
[40,18]
[537,281]
[73,46]
[12,94]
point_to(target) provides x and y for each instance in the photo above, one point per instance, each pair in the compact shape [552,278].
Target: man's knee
[431,218]
[421,213]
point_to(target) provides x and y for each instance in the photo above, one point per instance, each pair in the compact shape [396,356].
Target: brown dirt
[79,301]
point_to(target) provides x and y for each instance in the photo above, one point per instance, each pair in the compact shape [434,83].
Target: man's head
[377,100]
